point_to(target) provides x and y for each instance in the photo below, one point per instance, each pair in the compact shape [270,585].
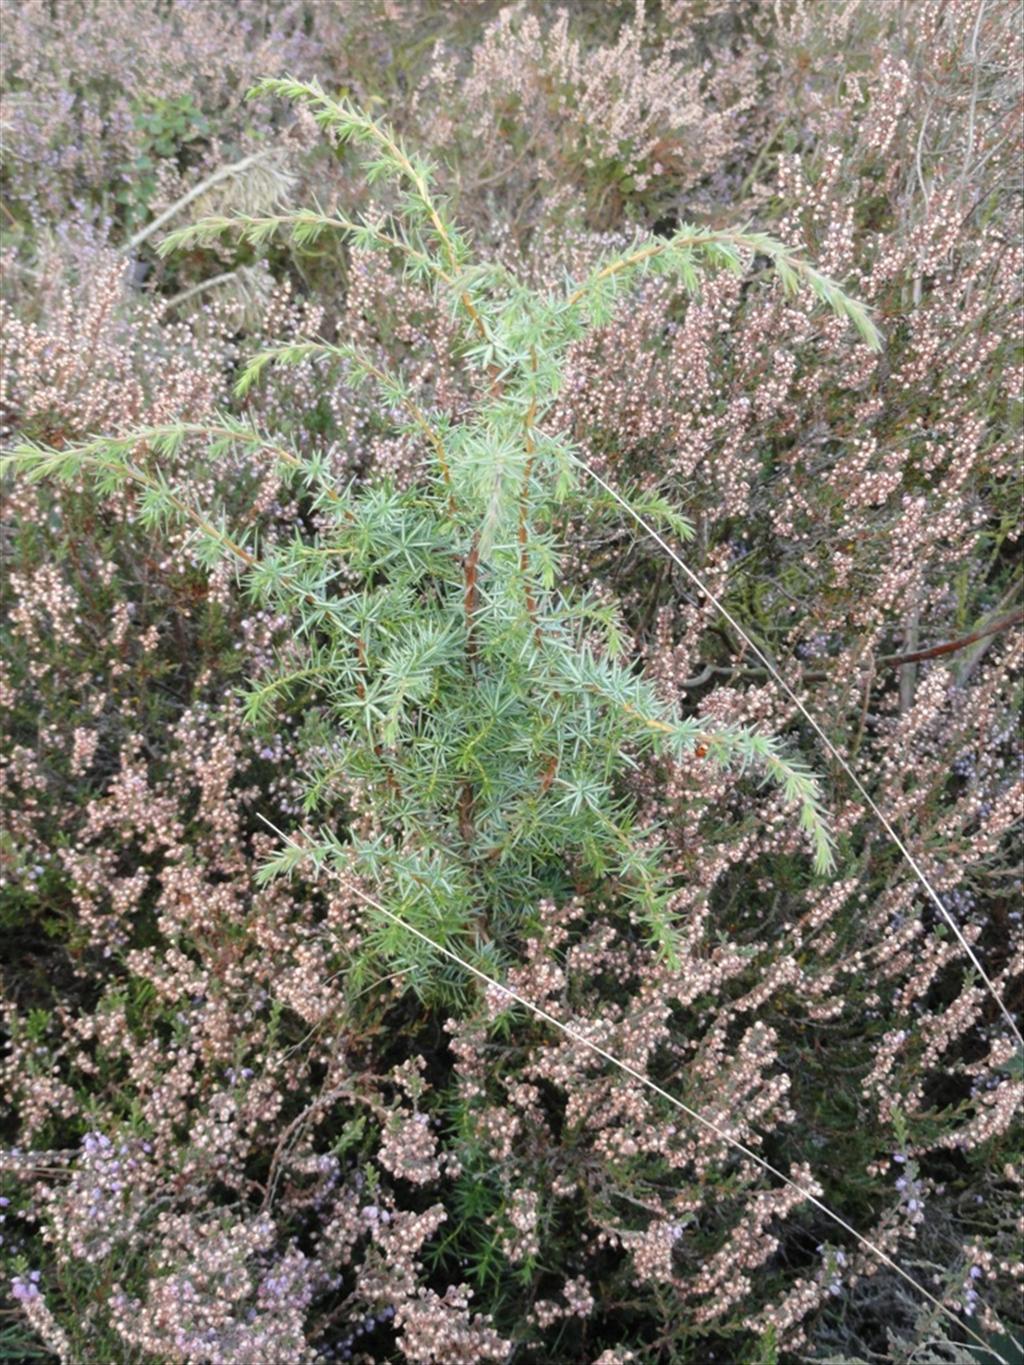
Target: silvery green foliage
[485,712]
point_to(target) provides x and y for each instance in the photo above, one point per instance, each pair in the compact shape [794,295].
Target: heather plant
[108,107]
[237,1131]
[565,125]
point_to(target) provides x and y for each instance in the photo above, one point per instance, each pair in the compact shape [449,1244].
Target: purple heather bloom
[25,1289]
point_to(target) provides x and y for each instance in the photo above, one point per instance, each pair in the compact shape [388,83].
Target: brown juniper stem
[524,558]
[467,829]
[471,596]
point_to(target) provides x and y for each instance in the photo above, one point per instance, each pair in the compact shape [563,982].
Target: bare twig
[1013,618]
[222,173]
[908,670]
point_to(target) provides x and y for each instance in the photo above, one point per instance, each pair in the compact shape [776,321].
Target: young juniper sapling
[474,713]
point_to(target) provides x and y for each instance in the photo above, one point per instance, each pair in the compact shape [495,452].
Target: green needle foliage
[475,711]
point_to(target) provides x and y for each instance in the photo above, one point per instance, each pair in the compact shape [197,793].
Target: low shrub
[559,1031]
